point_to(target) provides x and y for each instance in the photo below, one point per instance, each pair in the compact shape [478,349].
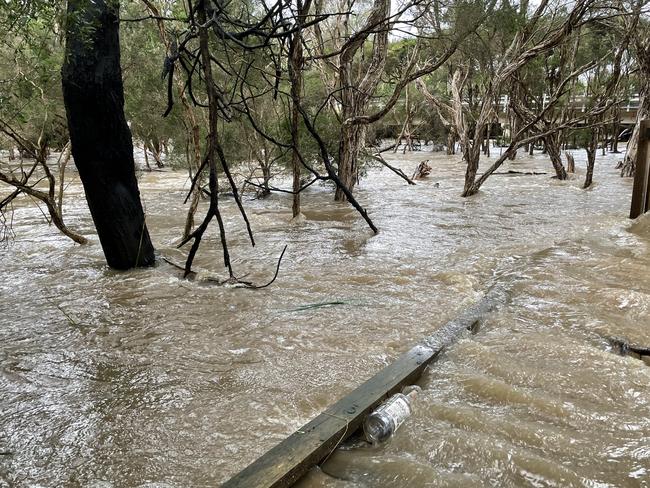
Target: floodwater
[143,379]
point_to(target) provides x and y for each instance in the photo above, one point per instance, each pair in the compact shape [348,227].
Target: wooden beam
[640,191]
[287,462]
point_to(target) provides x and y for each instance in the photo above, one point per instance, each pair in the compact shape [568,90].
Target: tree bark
[349,146]
[616,130]
[552,144]
[357,90]
[592,146]
[102,146]
[629,162]
[642,45]
[451,141]
[570,163]
[296,66]
[146,156]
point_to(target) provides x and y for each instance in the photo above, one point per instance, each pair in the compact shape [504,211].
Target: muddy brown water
[142,379]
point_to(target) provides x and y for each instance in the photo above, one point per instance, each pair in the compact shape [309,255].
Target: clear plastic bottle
[381,424]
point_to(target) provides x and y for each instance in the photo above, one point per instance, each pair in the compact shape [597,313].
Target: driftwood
[423,170]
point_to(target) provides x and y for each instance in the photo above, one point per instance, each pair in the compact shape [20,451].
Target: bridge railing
[578,102]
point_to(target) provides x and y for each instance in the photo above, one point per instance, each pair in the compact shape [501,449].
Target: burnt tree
[101,140]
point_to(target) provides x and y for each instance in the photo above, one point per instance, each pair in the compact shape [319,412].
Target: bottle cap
[411,391]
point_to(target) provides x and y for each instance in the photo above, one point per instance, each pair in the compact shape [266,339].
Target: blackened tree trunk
[101,140]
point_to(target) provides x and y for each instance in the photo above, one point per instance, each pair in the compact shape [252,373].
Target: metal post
[640,193]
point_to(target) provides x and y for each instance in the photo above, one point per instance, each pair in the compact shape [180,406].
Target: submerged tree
[101,140]
[32,121]
[641,42]
[304,81]
[539,36]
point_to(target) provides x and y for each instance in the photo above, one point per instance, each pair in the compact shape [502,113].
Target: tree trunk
[552,144]
[451,141]
[570,163]
[102,146]
[296,66]
[514,128]
[348,153]
[592,146]
[146,156]
[357,90]
[615,132]
[194,136]
[642,44]
[64,158]
[156,151]
[629,162]
[472,158]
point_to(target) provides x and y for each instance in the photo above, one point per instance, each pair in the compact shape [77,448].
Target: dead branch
[397,171]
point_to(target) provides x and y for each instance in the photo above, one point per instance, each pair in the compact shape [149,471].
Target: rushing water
[143,379]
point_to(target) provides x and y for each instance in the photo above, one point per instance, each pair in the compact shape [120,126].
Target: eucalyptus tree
[32,118]
[222,49]
[352,73]
[142,55]
[174,11]
[548,28]
[102,145]
[608,40]
[641,43]
[296,67]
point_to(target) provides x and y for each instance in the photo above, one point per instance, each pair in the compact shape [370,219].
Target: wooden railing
[641,189]
[287,462]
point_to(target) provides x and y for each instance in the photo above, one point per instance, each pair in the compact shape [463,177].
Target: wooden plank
[640,193]
[643,154]
[287,462]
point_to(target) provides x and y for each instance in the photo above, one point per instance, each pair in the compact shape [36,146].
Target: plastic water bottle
[381,424]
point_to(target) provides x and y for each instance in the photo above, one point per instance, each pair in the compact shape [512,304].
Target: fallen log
[287,462]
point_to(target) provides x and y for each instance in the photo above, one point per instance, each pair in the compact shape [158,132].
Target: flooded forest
[324,243]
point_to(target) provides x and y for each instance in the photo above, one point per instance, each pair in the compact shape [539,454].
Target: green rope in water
[310,306]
